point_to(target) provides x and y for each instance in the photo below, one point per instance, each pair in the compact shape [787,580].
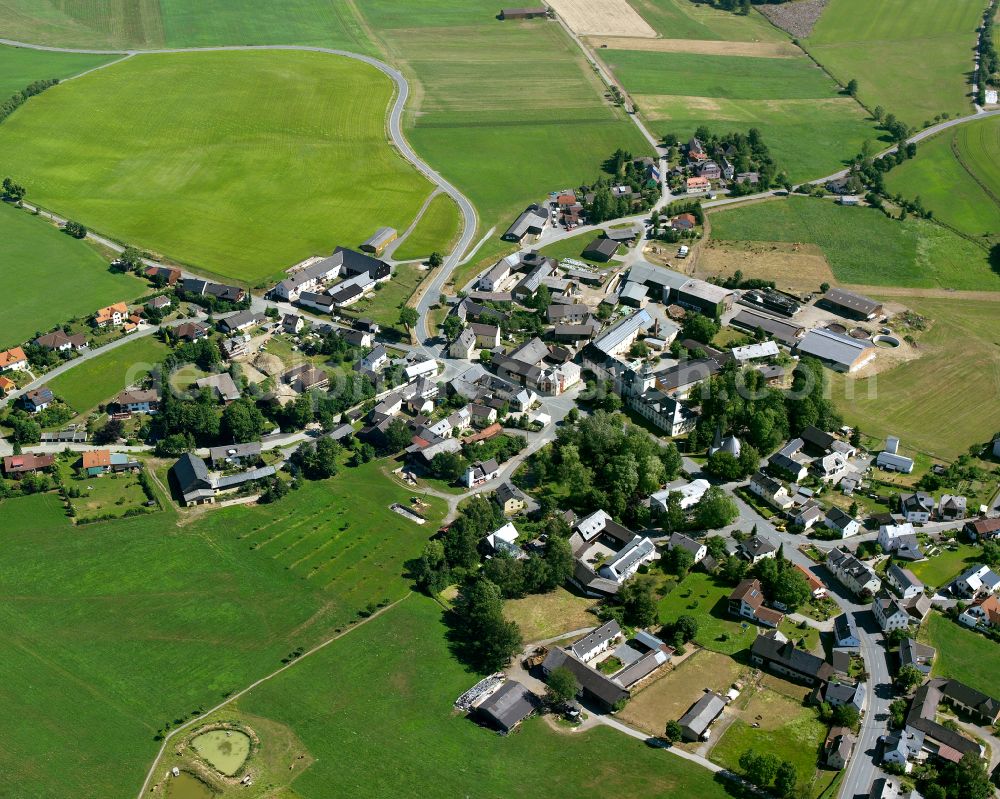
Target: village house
[16,466]
[845,632]
[96,462]
[689,494]
[481,472]
[163,275]
[913,653]
[191,331]
[113,315]
[292,323]
[982,529]
[952,508]
[464,345]
[807,514]
[510,499]
[747,601]
[241,320]
[893,613]
[858,577]
[503,539]
[917,508]
[14,360]
[816,586]
[58,341]
[596,641]
[842,522]
[135,400]
[222,387]
[756,549]
[838,747]
[375,360]
[229,455]
[983,614]
[904,581]
[38,399]
[628,560]
[697,549]
[976,580]
[901,540]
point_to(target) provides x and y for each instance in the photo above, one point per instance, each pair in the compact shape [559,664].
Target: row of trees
[989,61]
[18,98]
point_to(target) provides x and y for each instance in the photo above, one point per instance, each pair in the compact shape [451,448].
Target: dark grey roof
[785,332]
[233,480]
[590,680]
[605,632]
[854,302]
[602,247]
[844,627]
[702,713]
[922,717]
[249,449]
[509,706]
[191,473]
[785,654]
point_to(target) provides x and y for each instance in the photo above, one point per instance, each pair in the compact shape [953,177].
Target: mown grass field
[240,163]
[19,67]
[913,57]
[912,253]
[788,729]
[957,176]
[682,19]
[385,304]
[963,654]
[702,596]
[92,383]
[181,23]
[436,231]
[119,627]
[955,379]
[508,111]
[58,277]
[808,124]
[385,694]
[542,616]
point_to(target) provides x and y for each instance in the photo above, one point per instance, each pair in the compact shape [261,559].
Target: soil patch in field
[797,19]
[792,266]
[602,18]
[699,46]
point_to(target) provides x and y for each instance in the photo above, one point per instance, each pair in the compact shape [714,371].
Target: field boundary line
[958,157]
[261,681]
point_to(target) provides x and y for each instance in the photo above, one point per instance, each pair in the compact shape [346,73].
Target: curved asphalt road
[394,126]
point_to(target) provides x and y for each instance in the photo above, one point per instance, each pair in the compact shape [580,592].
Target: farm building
[534,12]
[379,240]
[601,249]
[531,222]
[787,333]
[851,305]
[843,353]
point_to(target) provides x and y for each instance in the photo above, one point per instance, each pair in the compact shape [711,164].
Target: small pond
[223,750]
[187,786]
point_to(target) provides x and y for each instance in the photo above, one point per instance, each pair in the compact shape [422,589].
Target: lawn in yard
[204,175]
[97,380]
[959,350]
[19,66]
[956,175]
[384,305]
[492,103]
[104,495]
[59,277]
[707,599]
[912,253]
[387,689]
[951,560]
[670,696]
[913,57]
[543,616]
[124,626]
[182,23]
[963,654]
[786,729]
[436,231]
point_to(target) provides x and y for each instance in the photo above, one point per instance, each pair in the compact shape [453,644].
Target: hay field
[602,18]
[148,24]
[794,267]
[682,19]
[58,277]
[912,57]
[956,175]
[700,46]
[508,111]
[238,163]
[811,128]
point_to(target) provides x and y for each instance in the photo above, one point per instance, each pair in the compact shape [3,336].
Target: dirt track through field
[933,294]
[697,46]
[602,18]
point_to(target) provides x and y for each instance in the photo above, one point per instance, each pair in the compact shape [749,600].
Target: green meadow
[181,23]
[508,111]
[957,176]
[682,19]
[963,654]
[59,277]
[92,383]
[959,357]
[863,245]
[436,231]
[114,629]
[385,694]
[810,127]
[913,57]
[19,67]
[239,163]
